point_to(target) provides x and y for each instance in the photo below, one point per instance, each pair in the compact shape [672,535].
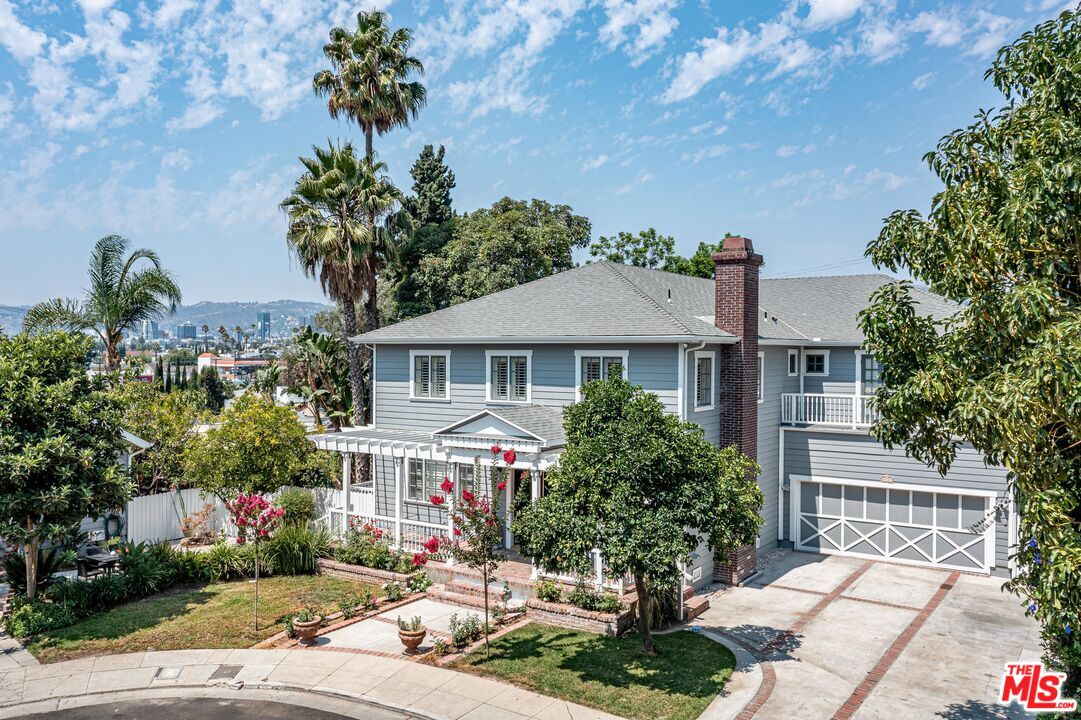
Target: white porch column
[507,542]
[399,493]
[450,508]
[598,570]
[347,489]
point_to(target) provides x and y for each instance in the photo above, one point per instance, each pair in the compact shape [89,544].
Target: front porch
[406,468]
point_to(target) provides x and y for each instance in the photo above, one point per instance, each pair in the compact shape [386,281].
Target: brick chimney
[736,312]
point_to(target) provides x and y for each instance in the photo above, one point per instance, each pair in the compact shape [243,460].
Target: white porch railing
[827,409]
[600,579]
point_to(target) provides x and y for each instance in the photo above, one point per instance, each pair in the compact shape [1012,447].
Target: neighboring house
[773,366]
[229,367]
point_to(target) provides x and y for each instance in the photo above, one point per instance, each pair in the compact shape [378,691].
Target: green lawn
[218,615]
[609,673]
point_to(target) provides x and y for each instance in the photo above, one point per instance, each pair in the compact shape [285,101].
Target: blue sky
[800,124]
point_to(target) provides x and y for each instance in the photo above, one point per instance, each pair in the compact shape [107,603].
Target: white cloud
[790,150]
[827,13]
[882,40]
[942,30]
[923,81]
[643,177]
[196,115]
[650,23]
[706,153]
[22,42]
[7,103]
[594,163]
[994,32]
[178,159]
[716,56]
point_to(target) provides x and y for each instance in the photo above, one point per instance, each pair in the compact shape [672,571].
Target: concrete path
[848,638]
[416,689]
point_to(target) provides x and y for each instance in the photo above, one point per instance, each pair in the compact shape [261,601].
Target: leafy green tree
[214,389]
[496,248]
[256,447]
[430,210]
[646,249]
[368,80]
[333,233]
[169,421]
[643,487]
[698,265]
[59,442]
[1002,239]
[316,368]
[120,296]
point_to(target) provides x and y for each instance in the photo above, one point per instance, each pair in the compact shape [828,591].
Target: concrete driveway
[850,638]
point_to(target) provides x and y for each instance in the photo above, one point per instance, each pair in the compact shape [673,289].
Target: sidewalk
[409,687]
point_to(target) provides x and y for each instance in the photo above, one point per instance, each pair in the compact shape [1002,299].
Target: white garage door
[901,523]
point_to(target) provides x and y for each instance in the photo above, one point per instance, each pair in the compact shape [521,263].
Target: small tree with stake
[255,516]
[478,531]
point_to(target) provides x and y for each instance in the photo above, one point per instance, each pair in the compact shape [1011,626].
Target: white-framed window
[593,365]
[704,362]
[431,374]
[793,362]
[870,374]
[423,479]
[510,375]
[761,376]
[816,362]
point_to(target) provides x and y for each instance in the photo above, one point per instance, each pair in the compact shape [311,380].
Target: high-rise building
[149,330]
[186,331]
[264,325]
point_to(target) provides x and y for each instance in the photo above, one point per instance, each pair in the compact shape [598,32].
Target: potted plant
[307,624]
[411,633]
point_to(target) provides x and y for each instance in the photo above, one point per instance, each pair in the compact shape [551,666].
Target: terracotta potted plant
[411,633]
[307,624]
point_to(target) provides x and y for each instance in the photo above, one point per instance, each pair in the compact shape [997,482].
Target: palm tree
[119,297]
[368,76]
[343,218]
[206,338]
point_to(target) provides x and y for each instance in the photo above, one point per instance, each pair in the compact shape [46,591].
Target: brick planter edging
[574,617]
[282,639]
[333,568]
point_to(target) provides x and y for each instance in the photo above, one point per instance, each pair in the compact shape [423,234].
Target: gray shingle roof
[622,301]
[540,420]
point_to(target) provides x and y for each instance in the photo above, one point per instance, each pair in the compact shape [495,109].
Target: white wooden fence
[153,518]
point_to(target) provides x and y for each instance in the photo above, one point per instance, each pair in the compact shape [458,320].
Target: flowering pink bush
[254,515]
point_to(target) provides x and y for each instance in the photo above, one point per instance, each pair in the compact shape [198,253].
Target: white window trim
[488,355]
[712,355]
[826,363]
[413,354]
[405,485]
[579,354]
[761,377]
[793,352]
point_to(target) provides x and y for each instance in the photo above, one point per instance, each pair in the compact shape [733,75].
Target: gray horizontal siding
[775,367]
[553,376]
[858,456]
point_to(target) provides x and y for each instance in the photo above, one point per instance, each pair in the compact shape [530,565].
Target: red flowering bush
[446,486]
[255,515]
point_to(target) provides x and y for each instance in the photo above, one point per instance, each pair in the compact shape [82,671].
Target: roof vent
[669,294]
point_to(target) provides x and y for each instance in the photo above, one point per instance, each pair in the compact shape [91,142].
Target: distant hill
[284,314]
[11,318]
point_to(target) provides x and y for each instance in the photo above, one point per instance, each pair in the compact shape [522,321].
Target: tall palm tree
[344,215]
[120,296]
[206,338]
[368,79]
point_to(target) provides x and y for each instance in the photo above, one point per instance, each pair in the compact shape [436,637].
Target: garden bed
[608,673]
[359,573]
[217,615]
[571,616]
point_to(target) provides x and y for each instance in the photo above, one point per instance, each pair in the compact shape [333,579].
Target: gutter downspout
[684,351]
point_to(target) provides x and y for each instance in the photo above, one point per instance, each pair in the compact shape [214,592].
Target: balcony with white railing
[834,410]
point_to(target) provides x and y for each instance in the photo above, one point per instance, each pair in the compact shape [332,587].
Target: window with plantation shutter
[430,379]
[509,377]
[600,365]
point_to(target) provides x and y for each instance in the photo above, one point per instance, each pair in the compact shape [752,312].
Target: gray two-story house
[773,366]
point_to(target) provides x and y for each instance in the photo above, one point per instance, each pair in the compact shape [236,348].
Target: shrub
[49,562]
[663,607]
[609,604]
[419,581]
[144,571]
[368,545]
[441,647]
[31,618]
[224,561]
[356,603]
[465,631]
[294,549]
[547,591]
[584,597]
[186,567]
[392,591]
[197,525]
[106,591]
[75,595]
[299,506]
